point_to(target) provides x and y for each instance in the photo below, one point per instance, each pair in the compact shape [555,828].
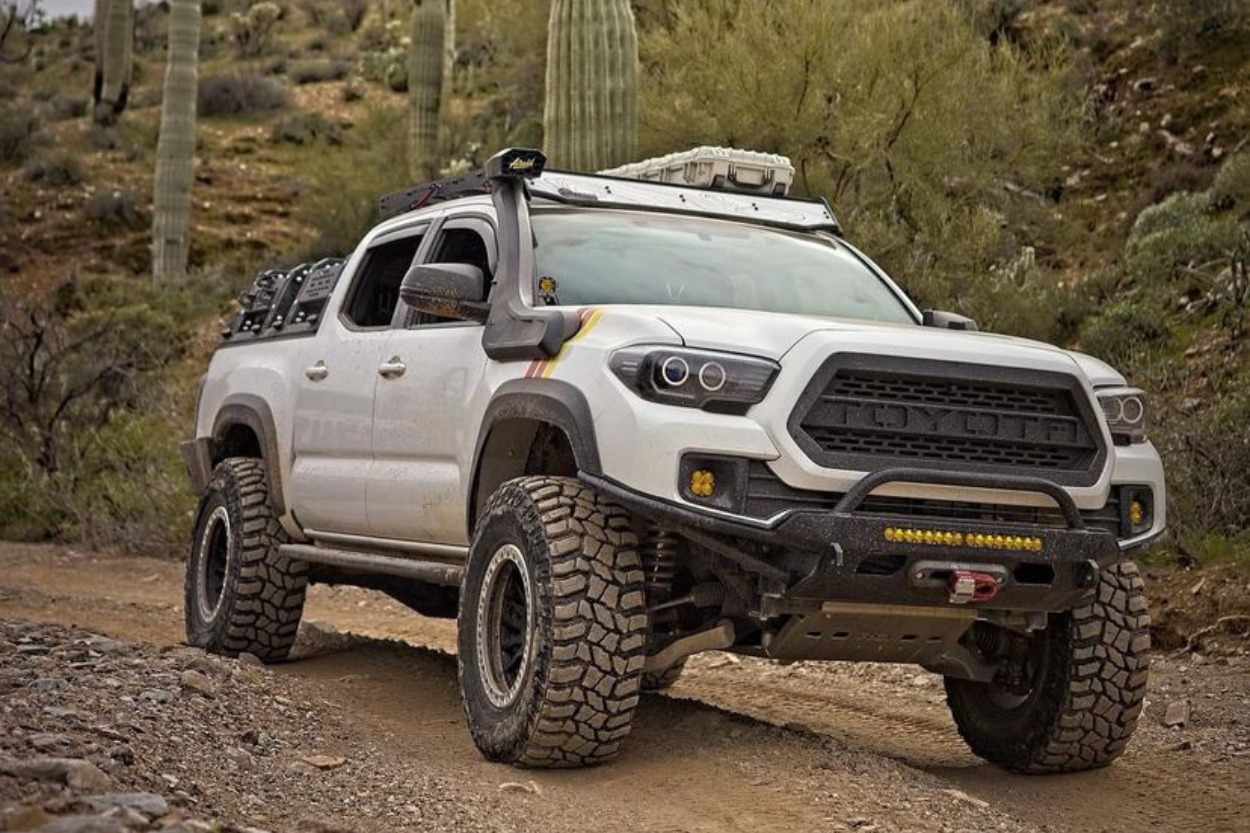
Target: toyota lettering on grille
[953,422]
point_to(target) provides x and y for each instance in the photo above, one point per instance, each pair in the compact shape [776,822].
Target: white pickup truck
[609,423]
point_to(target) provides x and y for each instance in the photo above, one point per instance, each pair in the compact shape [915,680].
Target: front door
[333,435]
[426,414]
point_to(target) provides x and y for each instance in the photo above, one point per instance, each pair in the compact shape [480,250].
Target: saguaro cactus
[175,150]
[590,120]
[114,56]
[427,82]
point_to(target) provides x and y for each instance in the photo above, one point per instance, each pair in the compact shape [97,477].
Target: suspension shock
[659,562]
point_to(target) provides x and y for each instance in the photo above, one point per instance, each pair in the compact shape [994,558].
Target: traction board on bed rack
[727,169]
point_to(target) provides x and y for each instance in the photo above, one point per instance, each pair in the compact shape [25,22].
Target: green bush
[1231,189]
[342,205]
[306,128]
[87,424]
[1124,333]
[57,170]
[911,126]
[17,128]
[114,208]
[1177,242]
[232,95]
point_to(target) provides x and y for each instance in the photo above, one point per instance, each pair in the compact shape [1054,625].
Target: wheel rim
[505,625]
[211,565]
[1009,697]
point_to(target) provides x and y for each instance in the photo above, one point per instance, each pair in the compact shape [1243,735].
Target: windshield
[599,256]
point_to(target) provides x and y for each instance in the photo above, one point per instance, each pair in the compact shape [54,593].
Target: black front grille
[767,496]
[865,413]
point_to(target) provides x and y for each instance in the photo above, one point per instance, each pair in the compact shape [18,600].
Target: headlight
[1126,414]
[721,382]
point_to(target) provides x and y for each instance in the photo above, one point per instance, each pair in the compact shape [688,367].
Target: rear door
[333,436]
[426,416]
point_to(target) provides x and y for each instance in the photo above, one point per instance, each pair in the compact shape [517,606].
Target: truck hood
[772,335]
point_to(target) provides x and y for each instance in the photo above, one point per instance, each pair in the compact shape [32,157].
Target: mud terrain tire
[241,595]
[1087,695]
[660,680]
[552,625]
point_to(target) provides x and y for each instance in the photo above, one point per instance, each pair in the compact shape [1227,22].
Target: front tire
[241,594]
[1088,672]
[552,625]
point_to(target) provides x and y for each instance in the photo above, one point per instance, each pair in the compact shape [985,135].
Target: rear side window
[376,290]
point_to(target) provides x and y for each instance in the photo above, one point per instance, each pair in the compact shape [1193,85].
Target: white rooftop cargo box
[727,169]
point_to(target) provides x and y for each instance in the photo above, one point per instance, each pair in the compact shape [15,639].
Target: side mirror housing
[949,321]
[449,290]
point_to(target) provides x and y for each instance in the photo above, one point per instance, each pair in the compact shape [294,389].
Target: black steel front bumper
[813,557]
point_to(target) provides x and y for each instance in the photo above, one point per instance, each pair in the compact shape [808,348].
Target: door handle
[317,372]
[392,369]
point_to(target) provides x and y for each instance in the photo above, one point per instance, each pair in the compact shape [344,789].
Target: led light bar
[951,538]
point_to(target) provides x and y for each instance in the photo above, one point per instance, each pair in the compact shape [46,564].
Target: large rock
[149,804]
[82,776]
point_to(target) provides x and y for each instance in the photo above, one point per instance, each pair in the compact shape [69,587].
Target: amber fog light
[718,482]
[1136,510]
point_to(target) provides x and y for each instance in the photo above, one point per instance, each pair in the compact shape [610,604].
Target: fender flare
[252,411]
[552,401]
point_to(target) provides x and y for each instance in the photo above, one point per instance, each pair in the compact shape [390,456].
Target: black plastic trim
[252,411]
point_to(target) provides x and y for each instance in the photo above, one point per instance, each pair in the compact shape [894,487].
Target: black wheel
[1075,692]
[552,625]
[660,680]
[241,595]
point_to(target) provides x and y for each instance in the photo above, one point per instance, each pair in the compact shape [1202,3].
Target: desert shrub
[306,128]
[253,31]
[1124,332]
[1178,243]
[102,137]
[911,127]
[114,208]
[317,72]
[342,201]
[1231,189]
[57,169]
[388,67]
[352,93]
[65,107]
[87,448]
[228,95]
[17,129]
[1207,454]
[338,16]
[1190,25]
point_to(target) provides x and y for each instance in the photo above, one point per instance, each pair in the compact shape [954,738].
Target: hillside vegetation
[1065,170]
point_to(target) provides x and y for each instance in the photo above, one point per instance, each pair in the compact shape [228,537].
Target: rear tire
[1090,667]
[660,680]
[552,625]
[241,594]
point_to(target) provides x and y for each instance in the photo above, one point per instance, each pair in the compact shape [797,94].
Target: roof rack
[418,196]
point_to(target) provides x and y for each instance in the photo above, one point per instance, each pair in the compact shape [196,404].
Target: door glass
[376,291]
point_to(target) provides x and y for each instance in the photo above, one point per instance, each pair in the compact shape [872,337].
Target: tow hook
[965,586]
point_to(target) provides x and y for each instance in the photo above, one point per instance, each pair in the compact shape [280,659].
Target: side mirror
[949,321]
[449,290]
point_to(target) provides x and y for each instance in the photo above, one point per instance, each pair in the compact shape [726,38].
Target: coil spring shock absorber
[659,562]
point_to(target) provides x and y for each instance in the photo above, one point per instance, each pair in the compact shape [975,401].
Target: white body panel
[393,458]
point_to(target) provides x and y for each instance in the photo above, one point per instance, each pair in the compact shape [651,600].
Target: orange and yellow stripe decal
[544,368]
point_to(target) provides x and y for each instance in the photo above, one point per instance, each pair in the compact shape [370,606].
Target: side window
[376,291]
[465,240]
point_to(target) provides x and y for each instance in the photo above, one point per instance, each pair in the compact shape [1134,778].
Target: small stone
[32,650]
[1177,714]
[158,695]
[29,817]
[250,659]
[529,787]
[1197,588]
[963,796]
[49,741]
[1180,746]
[301,768]
[1146,85]
[199,683]
[85,824]
[87,777]
[149,804]
[324,762]
[78,775]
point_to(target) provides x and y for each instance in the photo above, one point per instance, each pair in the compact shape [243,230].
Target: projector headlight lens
[714,381]
[1126,413]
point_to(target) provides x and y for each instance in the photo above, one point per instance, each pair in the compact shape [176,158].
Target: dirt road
[738,745]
